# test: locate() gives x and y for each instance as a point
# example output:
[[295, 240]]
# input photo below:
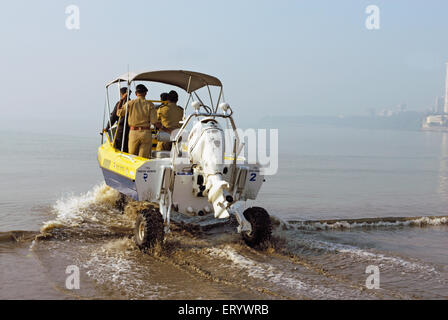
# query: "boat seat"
[[161, 154]]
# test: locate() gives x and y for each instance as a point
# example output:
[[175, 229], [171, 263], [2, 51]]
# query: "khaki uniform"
[[141, 114], [169, 116]]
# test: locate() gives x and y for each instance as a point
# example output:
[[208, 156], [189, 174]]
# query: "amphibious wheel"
[[261, 226], [148, 228]]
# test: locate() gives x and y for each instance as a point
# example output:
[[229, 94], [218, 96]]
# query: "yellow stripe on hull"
[[119, 162]]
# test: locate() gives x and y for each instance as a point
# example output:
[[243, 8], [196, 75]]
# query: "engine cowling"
[[206, 146]]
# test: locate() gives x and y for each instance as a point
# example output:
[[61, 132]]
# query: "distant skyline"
[[274, 57]]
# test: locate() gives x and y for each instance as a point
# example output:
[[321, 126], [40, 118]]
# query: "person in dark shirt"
[[114, 118]]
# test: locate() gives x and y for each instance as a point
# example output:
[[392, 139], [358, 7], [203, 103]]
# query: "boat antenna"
[[125, 115]]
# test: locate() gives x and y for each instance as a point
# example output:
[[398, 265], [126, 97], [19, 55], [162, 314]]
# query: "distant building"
[[438, 108], [386, 113], [439, 120], [402, 107], [445, 108], [435, 120]]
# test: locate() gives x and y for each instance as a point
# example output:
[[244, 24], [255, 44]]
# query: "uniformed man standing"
[[169, 117], [141, 114]]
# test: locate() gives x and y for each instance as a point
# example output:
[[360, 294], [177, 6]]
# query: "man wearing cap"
[[141, 114], [169, 117], [114, 116]]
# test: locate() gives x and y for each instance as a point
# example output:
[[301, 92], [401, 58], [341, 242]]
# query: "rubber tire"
[[152, 227], [261, 226]]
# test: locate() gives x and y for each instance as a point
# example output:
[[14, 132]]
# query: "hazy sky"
[[274, 57]]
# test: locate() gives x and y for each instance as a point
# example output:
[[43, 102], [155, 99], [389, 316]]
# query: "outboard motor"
[[206, 145]]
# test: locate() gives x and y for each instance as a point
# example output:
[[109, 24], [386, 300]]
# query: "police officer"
[[114, 116], [141, 114], [169, 117], [163, 97]]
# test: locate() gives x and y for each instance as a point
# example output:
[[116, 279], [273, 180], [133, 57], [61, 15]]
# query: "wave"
[[17, 236], [369, 255], [340, 224]]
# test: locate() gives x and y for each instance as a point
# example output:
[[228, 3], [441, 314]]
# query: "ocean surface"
[[342, 200]]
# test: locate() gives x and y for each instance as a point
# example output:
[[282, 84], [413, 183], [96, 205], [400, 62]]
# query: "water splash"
[[74, 210]]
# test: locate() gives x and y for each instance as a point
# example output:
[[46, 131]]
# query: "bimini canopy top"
[[188, 80]]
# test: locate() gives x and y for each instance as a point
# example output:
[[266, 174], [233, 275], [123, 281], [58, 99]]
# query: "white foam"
[[112, 264], [376, 257], [72, 210], [267, 272], [257, 270]]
